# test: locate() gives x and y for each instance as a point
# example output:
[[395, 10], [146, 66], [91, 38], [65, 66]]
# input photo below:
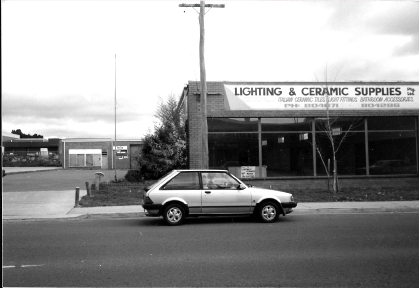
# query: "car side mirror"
[[241, 187]]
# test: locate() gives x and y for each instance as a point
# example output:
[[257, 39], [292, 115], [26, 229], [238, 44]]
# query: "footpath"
[[61, 205]]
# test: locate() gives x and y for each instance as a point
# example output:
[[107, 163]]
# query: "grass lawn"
[[115, 196], [133, 195]]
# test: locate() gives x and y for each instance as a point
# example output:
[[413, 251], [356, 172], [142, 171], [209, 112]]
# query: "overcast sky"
[[58, 57]]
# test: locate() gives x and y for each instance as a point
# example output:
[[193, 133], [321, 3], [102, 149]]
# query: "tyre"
[[268, 212], [174, 214]]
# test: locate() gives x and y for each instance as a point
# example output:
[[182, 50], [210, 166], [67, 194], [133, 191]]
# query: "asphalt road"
[[56, 180], [330, 250]]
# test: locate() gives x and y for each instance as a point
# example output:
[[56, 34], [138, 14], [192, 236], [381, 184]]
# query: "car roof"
[[200, 170]]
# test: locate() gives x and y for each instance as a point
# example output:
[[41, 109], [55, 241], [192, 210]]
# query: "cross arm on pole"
[[206, 5]]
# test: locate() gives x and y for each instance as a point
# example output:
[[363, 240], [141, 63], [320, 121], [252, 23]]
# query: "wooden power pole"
[[203, 98]]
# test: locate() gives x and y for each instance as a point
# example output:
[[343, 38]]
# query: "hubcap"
[[174, 214], [268, 212]]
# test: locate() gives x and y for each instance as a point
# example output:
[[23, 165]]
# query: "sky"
[[60, 58]]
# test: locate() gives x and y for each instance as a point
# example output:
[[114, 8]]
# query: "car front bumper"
[[287, 206]]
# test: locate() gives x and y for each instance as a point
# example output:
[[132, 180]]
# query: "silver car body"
[[229, 196]]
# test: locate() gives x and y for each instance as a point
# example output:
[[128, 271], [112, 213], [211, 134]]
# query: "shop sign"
[[248, 171], [319, 97], [121, 153], [120, 147]]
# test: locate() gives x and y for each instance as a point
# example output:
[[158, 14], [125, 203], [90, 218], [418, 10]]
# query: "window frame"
[[315, 131], [163, 187]]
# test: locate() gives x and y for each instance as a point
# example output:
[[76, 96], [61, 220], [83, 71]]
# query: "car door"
[[220, 194]]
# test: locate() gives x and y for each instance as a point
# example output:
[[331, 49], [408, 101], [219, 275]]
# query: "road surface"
[[329, 250]]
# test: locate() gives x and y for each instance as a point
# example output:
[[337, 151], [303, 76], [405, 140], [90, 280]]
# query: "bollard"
[[97, 181], [77, 197], [88, 189]]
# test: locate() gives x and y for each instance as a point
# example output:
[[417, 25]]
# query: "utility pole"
[[203, 98], [116, 179]]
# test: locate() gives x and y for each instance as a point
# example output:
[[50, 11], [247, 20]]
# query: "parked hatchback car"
[[183, 193]]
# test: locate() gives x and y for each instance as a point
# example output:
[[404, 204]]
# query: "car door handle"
[[207, 192]]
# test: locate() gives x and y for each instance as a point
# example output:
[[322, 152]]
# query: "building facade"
[[102, 153], [277, 130], [30, 151]]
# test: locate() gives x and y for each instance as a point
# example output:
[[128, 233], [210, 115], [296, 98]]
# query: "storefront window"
[[286, 124], [340, 124], [350, 154], [287, 154], [232, 124], [287, 148], [233, 150], [391, 123], [392, 153]]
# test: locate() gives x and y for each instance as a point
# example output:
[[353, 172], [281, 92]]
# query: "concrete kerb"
[[22, 170], [358, 207], [302, 208]]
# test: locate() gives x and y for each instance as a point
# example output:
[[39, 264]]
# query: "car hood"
[[261, 192]]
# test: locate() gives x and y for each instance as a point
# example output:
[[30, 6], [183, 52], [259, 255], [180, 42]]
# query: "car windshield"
[[162, 179]]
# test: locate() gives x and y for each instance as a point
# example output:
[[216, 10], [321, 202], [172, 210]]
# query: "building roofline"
[[98, 140], [312, 82]]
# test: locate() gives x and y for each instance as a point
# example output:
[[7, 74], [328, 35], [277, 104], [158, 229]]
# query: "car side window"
[[184, 181], [218, 180]]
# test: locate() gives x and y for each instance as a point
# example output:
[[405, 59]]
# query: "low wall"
[[301, 183]]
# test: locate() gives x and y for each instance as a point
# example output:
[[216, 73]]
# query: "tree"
[[172, 112], [23, 135], [164, 149], [332, 130]]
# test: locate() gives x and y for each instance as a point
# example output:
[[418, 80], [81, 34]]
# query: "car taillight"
[[147, 200]]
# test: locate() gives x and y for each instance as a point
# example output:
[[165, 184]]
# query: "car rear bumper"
[[152, 210]]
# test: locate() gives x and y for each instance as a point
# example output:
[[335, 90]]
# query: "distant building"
[[29, 151], [99, 153], [70, 153]]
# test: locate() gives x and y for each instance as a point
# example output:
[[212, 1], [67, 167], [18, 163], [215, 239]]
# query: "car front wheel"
[[268, 212], [174, 214]]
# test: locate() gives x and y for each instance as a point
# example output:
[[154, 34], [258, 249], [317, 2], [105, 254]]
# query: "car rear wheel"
[[268, 212], [174, 214]]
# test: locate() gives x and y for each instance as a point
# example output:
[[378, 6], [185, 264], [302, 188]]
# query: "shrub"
[[133, 176]]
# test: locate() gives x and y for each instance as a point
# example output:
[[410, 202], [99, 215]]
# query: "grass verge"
[[133, 195]]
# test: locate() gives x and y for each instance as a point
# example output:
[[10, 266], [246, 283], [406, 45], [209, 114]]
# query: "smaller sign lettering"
[[121, 152], [248, 171], [120, 147]]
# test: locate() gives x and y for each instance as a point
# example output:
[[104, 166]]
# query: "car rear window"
[[184, 181]]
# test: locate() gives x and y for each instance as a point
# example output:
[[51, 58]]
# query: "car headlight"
[[292, 198]]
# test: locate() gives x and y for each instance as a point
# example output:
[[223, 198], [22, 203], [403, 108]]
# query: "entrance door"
[[104, 161]]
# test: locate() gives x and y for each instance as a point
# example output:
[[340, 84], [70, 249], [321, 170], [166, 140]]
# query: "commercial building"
[[99, 153], [29, 151], [69, 153], [279, 130]]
